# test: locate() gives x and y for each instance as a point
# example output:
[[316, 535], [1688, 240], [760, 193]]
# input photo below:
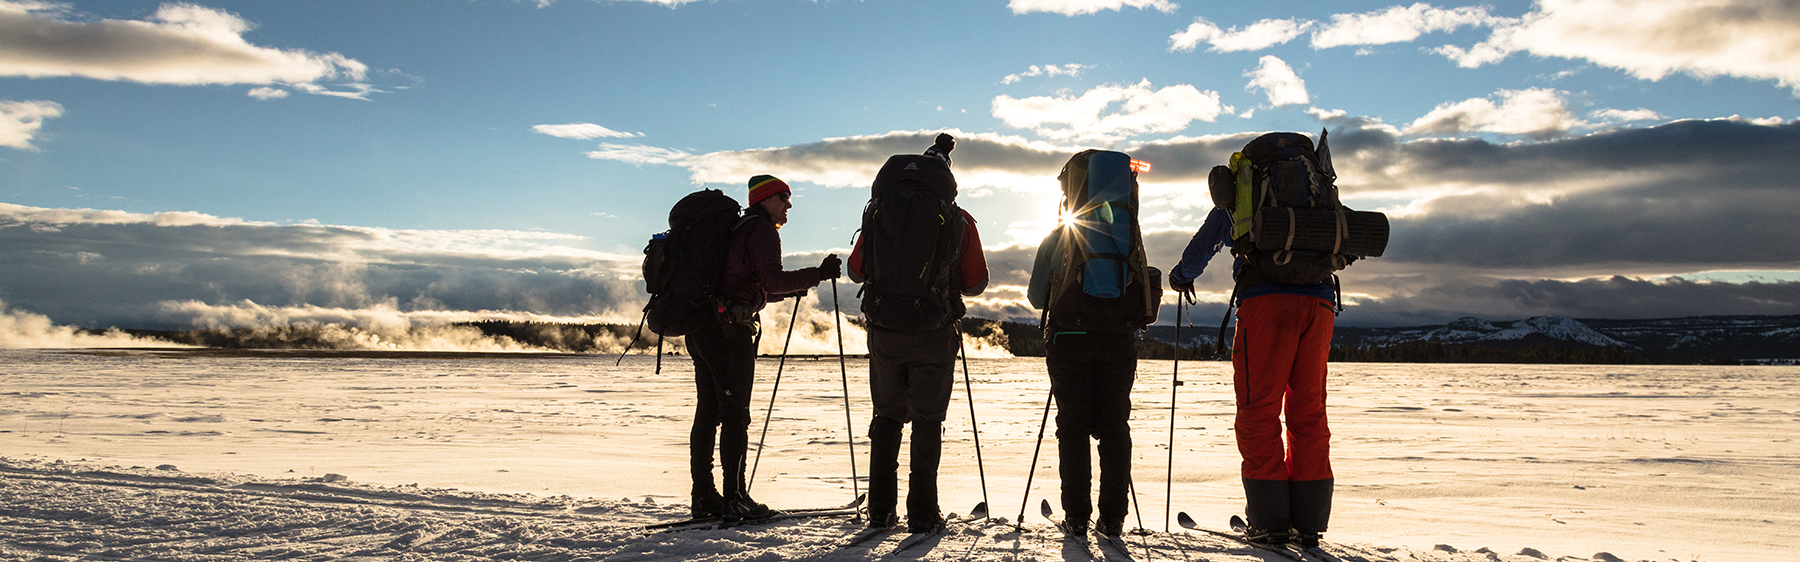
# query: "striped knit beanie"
[[766, 186]]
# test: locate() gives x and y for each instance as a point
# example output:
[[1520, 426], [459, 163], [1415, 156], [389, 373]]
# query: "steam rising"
[[24, 330]]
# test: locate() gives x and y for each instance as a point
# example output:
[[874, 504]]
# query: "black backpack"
[[1100, 279], [682, 266], [1287, 221], [912, 236]]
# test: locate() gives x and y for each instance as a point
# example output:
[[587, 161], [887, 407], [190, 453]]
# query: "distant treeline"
[[1020, 339]]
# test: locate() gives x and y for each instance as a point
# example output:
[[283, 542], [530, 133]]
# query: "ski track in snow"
[[61, 511]]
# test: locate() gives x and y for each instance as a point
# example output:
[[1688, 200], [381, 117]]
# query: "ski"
[[1188, 523], [1113, 545], [1069, 531], [916, 539], [1239, 526], [868, 534], [790, 513]]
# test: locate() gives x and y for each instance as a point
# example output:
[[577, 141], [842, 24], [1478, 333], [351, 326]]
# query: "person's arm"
[[764, 245], [1038, 290], [854, 266], [1213, 235], [974, 263]]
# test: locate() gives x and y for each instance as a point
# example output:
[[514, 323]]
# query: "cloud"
[[21, 120], [1651, 39], [1277, 80], [1140, 109], [1259, 35], [582, 131], [1625, 115], [1046, 70], [1398, 24], [98, 267], [638, 154], [1084, 7], [1537, 112], [181, 44], [267, 93]]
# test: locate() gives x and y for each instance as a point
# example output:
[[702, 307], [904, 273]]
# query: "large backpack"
[[1099, 278], [1288, 224], [912, 236], [682, 266]]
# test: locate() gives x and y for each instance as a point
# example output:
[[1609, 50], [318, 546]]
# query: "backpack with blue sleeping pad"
[[1091, 273]]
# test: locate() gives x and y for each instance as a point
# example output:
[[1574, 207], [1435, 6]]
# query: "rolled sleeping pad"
[[1106, 225], [1352, 233]]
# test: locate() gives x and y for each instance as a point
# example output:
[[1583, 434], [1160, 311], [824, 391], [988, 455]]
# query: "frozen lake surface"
[[1463, 462]]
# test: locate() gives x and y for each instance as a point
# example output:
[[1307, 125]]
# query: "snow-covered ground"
[[563, 457]]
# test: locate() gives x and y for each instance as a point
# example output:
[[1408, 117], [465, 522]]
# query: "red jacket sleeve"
[[974, 263], [854, 266]]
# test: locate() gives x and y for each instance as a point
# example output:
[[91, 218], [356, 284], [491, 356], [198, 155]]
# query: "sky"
[[226, 163]]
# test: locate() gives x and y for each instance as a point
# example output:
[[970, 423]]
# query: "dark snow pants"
[[1279, 364], [724, 368], [911, 375], [1091, 376]]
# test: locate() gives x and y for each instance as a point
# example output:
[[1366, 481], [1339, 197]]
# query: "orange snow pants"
[[1278, 358]]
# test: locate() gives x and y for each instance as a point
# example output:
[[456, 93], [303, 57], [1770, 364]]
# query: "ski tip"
[[980, 511], [1185, 520], [859, 500], [1044, 506]]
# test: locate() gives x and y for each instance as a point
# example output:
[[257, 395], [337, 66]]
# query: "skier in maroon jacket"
[[725, 355]]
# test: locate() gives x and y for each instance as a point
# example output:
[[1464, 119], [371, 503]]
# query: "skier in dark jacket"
[[1278, 361], [911, 375], [725, 355]]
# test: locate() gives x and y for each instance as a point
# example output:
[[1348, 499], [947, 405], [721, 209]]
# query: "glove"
[[831, 268], [1185, 289]]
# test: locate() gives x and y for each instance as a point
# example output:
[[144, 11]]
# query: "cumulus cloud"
[[1046, 70], [1538, 112], [582, 131], [1084, 7], [99, 267], [1398, 24], [1651, 39], [1259, 35], [21, 120], [1112, 112], [181, 44], [1277, 80]]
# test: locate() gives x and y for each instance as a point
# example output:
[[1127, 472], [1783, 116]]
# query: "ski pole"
[[793, 318], [974, 425], [1169, 494], [1034, 458], [634, 338], [844, 370]]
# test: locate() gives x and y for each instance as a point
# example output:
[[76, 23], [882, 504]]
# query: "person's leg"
[[1071, 384], [707, 348], [931, 375], [1262, 357], [887, 390], [1114, 357], [734, 421], [1309, 436]]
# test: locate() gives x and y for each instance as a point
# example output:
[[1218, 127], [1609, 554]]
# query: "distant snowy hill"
[[1698, 338], [1707, 337]]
